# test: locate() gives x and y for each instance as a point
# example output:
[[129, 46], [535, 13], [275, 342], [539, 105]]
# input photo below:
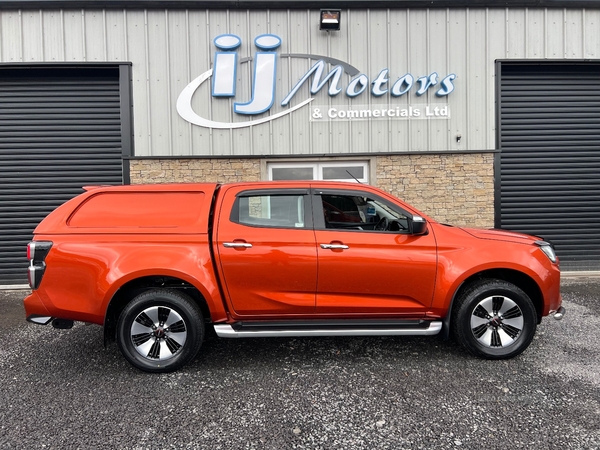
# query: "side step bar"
[[309, 329]]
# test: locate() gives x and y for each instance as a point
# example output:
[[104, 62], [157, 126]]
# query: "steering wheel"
[[382, 224]]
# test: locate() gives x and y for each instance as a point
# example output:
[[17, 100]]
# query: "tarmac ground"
[[63, 389]]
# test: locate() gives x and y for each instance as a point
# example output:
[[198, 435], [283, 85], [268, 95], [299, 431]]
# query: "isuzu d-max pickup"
[[157, 264]]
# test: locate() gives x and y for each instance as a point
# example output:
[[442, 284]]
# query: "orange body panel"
[[379, 274], [83, 274], [462, 255], [108, 237]]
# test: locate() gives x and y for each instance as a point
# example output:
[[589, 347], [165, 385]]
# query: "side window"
[[277, 211], [362, 213]]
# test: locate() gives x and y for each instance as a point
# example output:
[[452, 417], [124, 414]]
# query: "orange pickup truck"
[[157, 264]]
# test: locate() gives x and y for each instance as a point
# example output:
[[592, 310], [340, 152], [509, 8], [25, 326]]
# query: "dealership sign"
[[224, 77]]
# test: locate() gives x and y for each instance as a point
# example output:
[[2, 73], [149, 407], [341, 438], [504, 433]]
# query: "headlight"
[[548, 249]]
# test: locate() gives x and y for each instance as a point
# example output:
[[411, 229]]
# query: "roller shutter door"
[[549, 136], [60, 129]]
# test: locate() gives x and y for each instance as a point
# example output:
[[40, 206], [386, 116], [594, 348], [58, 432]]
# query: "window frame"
[[318, 166], [292, 192], [319, 218]]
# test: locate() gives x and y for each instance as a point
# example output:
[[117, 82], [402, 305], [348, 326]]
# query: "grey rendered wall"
[[169, 48]]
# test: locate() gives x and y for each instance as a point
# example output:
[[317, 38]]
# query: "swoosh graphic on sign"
[[185, 110], [350, 70]]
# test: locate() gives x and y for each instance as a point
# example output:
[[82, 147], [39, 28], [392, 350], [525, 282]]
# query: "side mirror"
[[418, 226]]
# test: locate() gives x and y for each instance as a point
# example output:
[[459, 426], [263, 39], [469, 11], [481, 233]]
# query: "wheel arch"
[[519, 279], [141, 284]]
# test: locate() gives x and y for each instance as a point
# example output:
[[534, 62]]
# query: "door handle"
[[334, 246], [237, 245]]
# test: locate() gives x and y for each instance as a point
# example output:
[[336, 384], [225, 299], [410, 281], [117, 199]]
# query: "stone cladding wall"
[[194, 170], [451, 188]]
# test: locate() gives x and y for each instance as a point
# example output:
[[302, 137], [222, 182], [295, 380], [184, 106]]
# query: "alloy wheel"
[[496, 322], [158, 333]]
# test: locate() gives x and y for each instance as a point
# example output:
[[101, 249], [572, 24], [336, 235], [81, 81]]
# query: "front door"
[[369, 264]]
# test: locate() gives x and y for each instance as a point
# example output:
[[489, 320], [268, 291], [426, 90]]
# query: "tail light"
[[36, 254]]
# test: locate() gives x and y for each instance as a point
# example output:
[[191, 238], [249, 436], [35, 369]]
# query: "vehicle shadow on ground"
[[84, 346], [277, 352]]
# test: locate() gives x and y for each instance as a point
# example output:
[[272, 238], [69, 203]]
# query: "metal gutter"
[[292, 4]]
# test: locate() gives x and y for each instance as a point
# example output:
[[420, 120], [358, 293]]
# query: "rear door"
[[368, 262], [267, 251]]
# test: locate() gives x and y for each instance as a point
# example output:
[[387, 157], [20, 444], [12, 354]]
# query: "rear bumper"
[[35, 308], [39, 320]]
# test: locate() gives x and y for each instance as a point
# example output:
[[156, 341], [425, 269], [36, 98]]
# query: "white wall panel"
[[52, 34], [95, 36], [116, 36], [31, 34], [178, 73], [261, 138], [298, 42], [574, 29], [458, 63], [158, 82], [218, 23], [281, 129], [438, 133], [74, 35], [169, 48], [555, 34], [242, 138], [516, 33], [319, 45], [339, 45], [359, 52], [535, 33], [200, 61], [419, 66], [400, 45], [137, 51], [591, 36], [11, 37], [377, 61], [477, 105]]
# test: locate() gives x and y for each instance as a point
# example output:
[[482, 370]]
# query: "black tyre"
[[160, 330], [494, 319]]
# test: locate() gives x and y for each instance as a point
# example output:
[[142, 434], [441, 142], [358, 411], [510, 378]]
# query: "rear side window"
[[139, 210], [277, 211]]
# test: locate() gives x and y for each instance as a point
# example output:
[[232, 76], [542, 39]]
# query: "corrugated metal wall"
[[169, 48]]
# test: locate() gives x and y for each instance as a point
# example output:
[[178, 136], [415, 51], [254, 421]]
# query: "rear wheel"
[[160, 330], [494, 319]]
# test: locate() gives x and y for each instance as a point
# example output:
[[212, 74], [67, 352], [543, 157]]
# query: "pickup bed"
[[157, 264]]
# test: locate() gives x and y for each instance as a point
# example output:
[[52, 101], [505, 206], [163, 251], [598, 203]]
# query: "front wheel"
[[160, 330], [494, 319]]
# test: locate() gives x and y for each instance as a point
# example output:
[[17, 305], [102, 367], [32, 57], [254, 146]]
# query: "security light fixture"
[[330, 19]]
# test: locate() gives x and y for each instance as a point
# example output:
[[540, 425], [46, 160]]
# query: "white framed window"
[[357, 171]]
